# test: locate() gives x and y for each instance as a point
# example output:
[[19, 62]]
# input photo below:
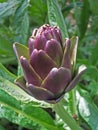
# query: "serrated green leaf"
[[55, 16], [8, 8], [6, 50], [38, 12], [88, 110], [18, 107], [21, 23], [6, 74]]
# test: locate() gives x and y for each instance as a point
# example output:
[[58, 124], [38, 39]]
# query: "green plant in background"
[[79, 108]]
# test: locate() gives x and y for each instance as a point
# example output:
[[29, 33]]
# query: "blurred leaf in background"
[[17, 20]]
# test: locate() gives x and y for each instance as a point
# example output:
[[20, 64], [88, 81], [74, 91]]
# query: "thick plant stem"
[[72, 102], [63, 114]]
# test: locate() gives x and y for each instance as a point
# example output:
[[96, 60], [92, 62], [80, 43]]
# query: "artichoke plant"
[[48, 64]]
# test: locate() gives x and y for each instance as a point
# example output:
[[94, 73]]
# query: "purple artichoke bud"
[[48, 64]]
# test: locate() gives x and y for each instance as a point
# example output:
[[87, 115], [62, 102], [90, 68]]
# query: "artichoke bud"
[[48, 64]]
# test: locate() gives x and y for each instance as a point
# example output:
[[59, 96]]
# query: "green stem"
[[63, 114], [72, 102]]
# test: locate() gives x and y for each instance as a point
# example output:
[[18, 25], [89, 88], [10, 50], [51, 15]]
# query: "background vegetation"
[[75, 18]]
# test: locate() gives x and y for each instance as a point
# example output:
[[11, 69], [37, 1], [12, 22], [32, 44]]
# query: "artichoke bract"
[[48, 64]]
